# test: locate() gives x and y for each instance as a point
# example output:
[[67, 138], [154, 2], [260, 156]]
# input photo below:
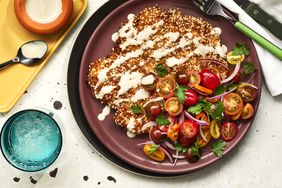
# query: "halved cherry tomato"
[[248, 111], [228, 131], [173, 106], [202, 90], [232, 103], [247, 92], [203, 117], [200, 141], [173, 132], [209, 79], [194, 78], [182, 78], [234, 59], [189, 128], [191, 98], [237, 77], [165, 87], [215, 129], [236, 116], [186, 142], [157, 155]]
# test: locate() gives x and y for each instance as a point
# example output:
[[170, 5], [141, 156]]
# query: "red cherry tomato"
[[156, 134], [182, 78], [237, 78], [228, 131], [166, 87], [153, 109], [173, 106], [209, 79], [189, 129], [186, 142], [191, 98]]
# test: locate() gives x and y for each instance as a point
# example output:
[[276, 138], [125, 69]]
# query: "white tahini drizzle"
[[129, 80], [140, 95], [106, 111]]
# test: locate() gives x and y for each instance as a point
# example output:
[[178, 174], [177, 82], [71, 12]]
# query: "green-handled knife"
[[262, 17], [213, 7]]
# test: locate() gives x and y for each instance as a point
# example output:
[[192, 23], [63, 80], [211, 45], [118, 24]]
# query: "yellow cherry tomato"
[[153, 153], [234, 59], [215, 129]]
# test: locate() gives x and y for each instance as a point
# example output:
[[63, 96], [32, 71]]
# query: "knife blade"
[[262, 17]]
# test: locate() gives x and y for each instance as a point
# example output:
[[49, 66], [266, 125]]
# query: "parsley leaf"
[[179, 93], [136, 109], [218, 147], [240, 49], [180, 148], [153, 148], [196, 149], [161, 70], [219, 90], [197, 108], [214, 110], [162, 120], [248, 68]]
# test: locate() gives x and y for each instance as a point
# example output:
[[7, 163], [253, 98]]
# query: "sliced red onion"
[[148, 124], [153, 100], [169, 145], [144, 143], [253, 86], [167, 154], [178, 156], [181, 118], [251, 78], [164, 133], [214, 61], [175, 120], [236, 70], [202, 134], [199, 122], [223, 94]]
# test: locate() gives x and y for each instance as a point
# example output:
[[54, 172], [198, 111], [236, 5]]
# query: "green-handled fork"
[[213, 7]]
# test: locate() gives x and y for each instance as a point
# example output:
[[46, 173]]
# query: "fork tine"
[[198, 4]]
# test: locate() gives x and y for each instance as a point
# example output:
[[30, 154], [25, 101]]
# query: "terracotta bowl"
[[39, 28]]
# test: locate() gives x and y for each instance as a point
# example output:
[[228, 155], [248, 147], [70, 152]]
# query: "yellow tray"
[[15, 79]]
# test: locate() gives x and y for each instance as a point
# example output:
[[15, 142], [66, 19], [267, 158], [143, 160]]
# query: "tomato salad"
[[198, 109]]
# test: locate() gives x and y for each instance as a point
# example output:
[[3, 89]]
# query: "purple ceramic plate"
[[112, 136]]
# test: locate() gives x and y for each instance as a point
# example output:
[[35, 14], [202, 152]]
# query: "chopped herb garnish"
[[153, 148], [214, 110], [179, 93], [219, 90], [195, 149], [240, 49], [180, 148], [136, 109], [161, 70], [248, 68], [198, 108], [218, 147], [162, 120]]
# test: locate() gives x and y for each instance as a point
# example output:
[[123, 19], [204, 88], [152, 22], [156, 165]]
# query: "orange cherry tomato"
[[203, 90], [200, 141], [173, 106], [156, 155], [248, 111], [203, 117], [194, 78], [236, 116], [165, 87], [232, 103], [173, 132]]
